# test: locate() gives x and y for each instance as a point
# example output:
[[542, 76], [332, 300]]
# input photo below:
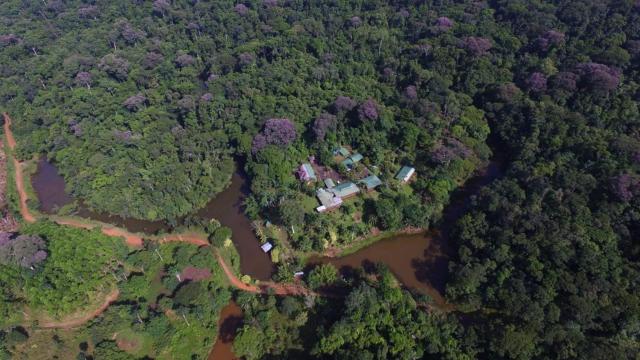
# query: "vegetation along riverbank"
[[167, 159]]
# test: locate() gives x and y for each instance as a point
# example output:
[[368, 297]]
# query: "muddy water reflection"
[[229, 322], [49, 186], [421, 261], [416, 260], [226, 207]]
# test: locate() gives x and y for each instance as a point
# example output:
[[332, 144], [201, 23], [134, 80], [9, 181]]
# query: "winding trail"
[[11, 142], [135, 240], [72, 321], [264, 287]]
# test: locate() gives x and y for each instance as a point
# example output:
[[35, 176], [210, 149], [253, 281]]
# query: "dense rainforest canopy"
[[144, 104]]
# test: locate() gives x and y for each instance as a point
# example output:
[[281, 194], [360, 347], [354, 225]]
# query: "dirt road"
[[11, 142], [136, 241], [75, 321], [265, 287]]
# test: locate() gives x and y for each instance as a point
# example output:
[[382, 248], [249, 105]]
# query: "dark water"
[[49, 186], [226, 207], [229, 322], [420, 261]]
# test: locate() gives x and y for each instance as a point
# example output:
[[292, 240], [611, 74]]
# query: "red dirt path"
[[136, 241], [72, 322], [11, 142], [264, 287]]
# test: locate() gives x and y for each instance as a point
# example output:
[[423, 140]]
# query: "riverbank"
[[17, 168], [134, 240]]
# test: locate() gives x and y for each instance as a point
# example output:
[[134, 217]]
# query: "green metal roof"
[[345, 189], [351, 160], [342, 151], [356, 157], [404, 172], [329, 183], [371, 182], [309, 170]]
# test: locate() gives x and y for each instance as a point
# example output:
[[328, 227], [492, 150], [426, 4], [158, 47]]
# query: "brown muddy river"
[[229, 322], [226, 207], [420, 261], [417, 260]]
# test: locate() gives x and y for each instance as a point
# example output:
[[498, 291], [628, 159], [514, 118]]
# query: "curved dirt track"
[[11, 142], [266, 287], [135, 241], [73, 322]]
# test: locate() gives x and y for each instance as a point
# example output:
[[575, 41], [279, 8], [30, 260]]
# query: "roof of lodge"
[[404, 172], [342, 151], [329, 183], [371, 181], [309, 171], [352, 159], [345, 189], [325, 197]]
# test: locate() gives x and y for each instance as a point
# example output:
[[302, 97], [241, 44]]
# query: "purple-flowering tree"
[[477, 46], [135, 102], [442, 155], [152, 59], [114, 66], [75, 128], [598, 77], [83, 78], [322, 124], [270, 3], [245, 59], [212, 77], [187, 103], [206, 97], [355, 21], [565, 80], [344, 103], [411, 92], [161, 7], [633, 47], [368, 110], [9, 39], [404, 13], [185, 60], [388, 73], [55, 6], [279, 132], [125, 135], [423, 49], [443, 23], [24, 250], [554, 37], [193, 26], [536, 82], [130, 34], [178, 131], [88, 12], [506, 92], [259, 142], [241, 9], [625, 186], [548, 39]]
